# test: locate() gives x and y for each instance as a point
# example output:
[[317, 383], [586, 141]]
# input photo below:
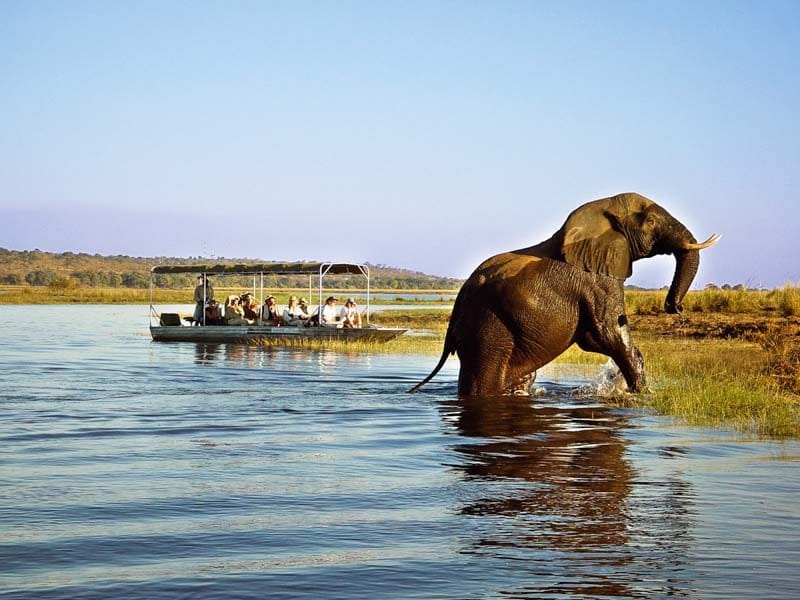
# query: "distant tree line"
[[133, 279], [68, 269], [726, 286]]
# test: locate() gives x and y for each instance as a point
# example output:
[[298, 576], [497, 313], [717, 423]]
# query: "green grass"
[[716, 383]]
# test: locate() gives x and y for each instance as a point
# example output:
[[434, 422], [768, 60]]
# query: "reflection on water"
[[256, 357], [556, 481], [135, 469], [206, 353]]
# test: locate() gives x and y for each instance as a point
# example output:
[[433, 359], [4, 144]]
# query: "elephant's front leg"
[[611, 336], [630, 360]]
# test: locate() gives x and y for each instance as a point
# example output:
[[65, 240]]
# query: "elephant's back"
[[522, 288], [505, 267], [515, 304], [506, 282]]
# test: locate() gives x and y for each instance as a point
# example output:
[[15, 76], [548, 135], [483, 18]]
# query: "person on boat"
[[234, 313], [250, 307], [202, 294], [293, 315], [213, 313], [349, 316], [270, 314], [329, 314], [313, 315]]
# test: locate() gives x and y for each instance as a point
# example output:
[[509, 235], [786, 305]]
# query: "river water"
[[130, 469]]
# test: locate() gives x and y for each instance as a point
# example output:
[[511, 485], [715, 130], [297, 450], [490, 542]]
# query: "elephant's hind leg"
[[521, 386], [484, 358], [519, 373]]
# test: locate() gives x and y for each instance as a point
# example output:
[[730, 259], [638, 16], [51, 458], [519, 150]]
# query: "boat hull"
[[233, 334]]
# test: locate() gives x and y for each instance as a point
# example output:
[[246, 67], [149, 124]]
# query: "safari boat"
[[175, 327]]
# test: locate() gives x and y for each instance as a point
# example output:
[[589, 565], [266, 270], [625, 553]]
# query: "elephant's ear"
[[593, 240]]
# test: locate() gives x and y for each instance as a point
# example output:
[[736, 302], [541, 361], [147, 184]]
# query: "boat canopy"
[[272, 268], [319, 269]]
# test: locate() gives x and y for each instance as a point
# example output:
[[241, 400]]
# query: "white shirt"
[[329, 313], [290, 314]]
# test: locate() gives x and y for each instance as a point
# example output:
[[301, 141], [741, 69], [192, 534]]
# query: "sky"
[[426, 135]]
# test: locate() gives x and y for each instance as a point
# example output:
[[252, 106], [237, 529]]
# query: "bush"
[[62, 283], [12, 279], [40, 277], [783, 357]]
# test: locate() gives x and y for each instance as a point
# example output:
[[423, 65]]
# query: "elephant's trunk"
[[686, 264]]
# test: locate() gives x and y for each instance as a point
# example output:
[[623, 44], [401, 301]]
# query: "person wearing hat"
[[250, 307], [202, 294], [269, 312], [312, 317], [329, 314], [349, 315]]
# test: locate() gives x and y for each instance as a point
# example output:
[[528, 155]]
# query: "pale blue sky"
[[427, 135]]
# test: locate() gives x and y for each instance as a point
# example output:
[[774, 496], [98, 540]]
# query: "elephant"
[[519, 310]]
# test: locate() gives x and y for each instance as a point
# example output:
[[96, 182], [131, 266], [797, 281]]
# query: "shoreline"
[[27, 295]]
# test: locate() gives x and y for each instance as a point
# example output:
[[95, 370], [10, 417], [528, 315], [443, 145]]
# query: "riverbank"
[[23, 294]]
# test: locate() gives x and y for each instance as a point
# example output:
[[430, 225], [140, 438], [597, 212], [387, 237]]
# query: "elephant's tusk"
[[707, 244]]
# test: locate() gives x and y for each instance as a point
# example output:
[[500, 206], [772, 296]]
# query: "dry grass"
[[782, 348], [783, 301]]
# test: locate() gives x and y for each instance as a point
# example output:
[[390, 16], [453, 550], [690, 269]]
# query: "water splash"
[[607, 383]]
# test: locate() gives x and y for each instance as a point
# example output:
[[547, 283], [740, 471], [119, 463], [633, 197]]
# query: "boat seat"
[[170, 320]]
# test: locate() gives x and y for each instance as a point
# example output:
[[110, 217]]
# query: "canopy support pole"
[[150, 315]]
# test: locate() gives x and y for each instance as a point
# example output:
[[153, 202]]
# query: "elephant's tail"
[[445, 353], [449, 342]]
